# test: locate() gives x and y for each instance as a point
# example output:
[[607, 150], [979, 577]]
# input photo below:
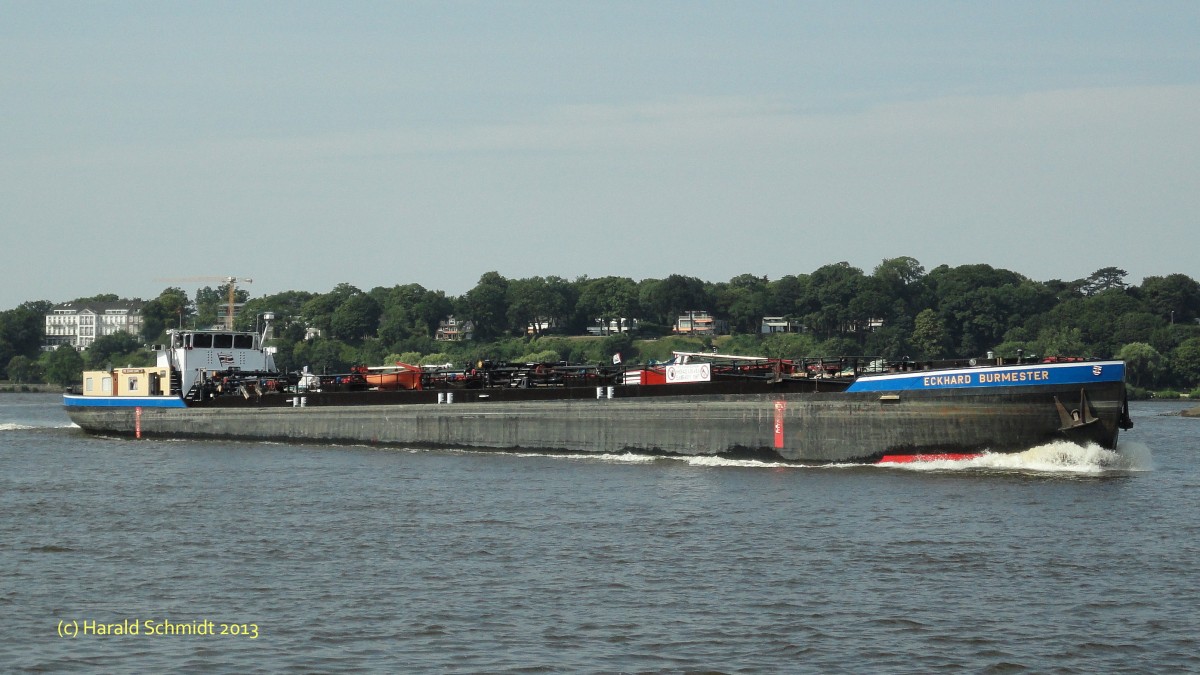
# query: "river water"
[[337, 559]]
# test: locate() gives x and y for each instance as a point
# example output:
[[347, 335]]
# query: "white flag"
[[616, 358]]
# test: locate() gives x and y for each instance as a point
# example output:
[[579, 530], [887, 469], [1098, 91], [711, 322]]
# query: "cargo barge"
[[224, 385]]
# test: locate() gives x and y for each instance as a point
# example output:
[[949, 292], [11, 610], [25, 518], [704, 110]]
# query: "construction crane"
[[232, 281]]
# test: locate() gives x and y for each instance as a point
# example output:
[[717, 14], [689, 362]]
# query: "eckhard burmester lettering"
[[946, 380], [1017, 376], [986, 378]]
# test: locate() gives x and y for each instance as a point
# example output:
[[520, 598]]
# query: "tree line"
[[897, 311]]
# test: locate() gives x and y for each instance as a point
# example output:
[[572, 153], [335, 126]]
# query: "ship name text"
[[1007, 377]]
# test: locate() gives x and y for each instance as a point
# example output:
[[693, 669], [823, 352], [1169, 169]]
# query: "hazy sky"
[[305, 144]]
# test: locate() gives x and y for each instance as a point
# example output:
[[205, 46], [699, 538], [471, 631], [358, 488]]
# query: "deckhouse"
[[190, 358]]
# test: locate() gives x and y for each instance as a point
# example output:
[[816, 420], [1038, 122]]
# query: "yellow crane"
[[232, 281]]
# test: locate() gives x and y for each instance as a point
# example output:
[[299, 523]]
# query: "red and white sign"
[[689, 372]]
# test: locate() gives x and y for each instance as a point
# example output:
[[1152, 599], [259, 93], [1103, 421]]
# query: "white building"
[[79, 324], [451, 329], [700, 323], [779, 324], [615, 326]]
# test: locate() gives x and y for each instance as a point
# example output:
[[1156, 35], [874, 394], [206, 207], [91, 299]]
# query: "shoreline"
[[11, 388]]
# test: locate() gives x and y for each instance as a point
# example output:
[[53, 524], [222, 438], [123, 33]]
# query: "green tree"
[[537, 303], [831, 293], [288, 325], [487, 306], [64, 366], [318, 311], [1104, 279], [1143, 363], [980, 303], [371, 351], [875, 302], [929, 335], [837, 346], [785, 293], [286, 342], [1060, 341], [1185, 363], [410, 311], [902, 282], [1096, 322], [1133, 327], [323, 355], [208, 307], [113, 348], [1174, 298], [171, 309], [620, 343], [100, 297], [788, 345], [355, 319], [435, 359], [900, 273], [22, 330], [890, 341], [664, 301], [743, 302], [609, 298], [22, 369], [212, 304]]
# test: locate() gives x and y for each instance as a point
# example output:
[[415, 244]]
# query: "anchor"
[[1078, 417]]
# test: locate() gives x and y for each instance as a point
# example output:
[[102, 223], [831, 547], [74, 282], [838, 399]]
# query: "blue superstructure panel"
[[1091, 372], [123, 401]]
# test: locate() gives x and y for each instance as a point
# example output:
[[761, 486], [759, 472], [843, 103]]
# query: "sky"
[[305, 144]]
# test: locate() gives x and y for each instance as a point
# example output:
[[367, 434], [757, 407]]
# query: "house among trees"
[[453, 330], [79, 324], [700, 323], [869, 326], [540, 326], [779, 324], [615, 326]]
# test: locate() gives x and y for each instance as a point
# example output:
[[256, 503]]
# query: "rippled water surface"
[[356, 559]]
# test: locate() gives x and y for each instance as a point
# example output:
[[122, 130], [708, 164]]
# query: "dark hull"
[[747, 419]]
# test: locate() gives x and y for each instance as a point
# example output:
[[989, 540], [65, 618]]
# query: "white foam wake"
[[1057, 457], [14, 426], [717, 460], [627, 457]]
